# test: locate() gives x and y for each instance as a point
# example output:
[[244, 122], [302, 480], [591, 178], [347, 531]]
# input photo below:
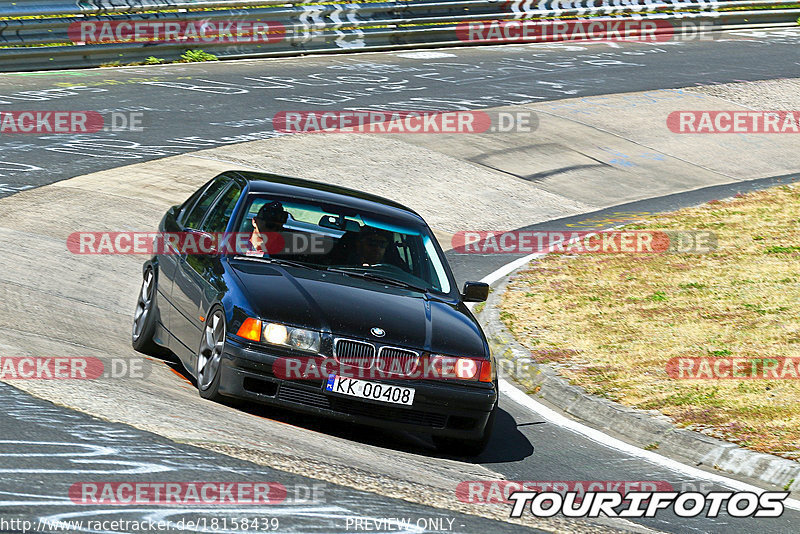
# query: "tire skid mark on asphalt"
[[119, 447]]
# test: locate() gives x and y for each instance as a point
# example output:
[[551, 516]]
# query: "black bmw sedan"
[[323, 300]]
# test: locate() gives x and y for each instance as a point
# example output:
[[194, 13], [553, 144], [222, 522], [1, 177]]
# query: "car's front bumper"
[[440, 407]]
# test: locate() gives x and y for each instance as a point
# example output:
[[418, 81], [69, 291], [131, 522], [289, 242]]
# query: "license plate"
[[364, 389]]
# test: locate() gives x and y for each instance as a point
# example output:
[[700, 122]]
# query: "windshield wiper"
[[379, 278], [283, 262]]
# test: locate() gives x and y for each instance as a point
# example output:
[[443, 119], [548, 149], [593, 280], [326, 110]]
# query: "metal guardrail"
[[45, 34]]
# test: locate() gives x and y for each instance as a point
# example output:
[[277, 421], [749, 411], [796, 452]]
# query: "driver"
[[370, 246], [270, 218]]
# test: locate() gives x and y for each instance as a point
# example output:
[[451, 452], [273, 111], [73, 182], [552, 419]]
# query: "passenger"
[[270, 218]]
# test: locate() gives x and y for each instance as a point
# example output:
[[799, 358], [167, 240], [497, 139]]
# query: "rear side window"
[[186, 206], [195, 216], [220, 214]]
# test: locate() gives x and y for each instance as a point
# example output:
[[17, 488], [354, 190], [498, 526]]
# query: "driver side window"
[[220, 214]]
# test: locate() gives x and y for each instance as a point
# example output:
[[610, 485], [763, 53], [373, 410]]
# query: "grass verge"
[[610, 323]]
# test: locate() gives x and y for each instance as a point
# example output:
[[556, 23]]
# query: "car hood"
[[351, 307]]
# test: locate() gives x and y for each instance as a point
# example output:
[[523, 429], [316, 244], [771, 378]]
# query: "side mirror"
[[170, 219], [475, 292]]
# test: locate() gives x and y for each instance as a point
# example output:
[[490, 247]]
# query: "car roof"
[[287, 186]]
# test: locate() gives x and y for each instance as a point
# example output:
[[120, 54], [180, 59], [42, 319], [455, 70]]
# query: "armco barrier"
[[46, 34]]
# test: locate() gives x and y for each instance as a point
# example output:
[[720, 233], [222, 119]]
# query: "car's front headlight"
[[460, 368], [278, 334], [299, 338]]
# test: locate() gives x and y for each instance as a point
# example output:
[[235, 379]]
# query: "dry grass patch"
[[610, 323]]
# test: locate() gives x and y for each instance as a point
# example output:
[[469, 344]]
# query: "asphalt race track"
[[77, 444], [193, 107]]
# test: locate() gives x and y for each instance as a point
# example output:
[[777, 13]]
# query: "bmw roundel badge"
[[377, 332]]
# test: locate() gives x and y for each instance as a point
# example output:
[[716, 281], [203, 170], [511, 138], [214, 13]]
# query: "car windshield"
[[341, 239]]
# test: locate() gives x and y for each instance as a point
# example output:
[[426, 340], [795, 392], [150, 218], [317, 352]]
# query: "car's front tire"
[[144, 318], [466, 447], [209, 355]]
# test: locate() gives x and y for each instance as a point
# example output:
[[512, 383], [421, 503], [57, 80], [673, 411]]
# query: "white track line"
[[510, 391]]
